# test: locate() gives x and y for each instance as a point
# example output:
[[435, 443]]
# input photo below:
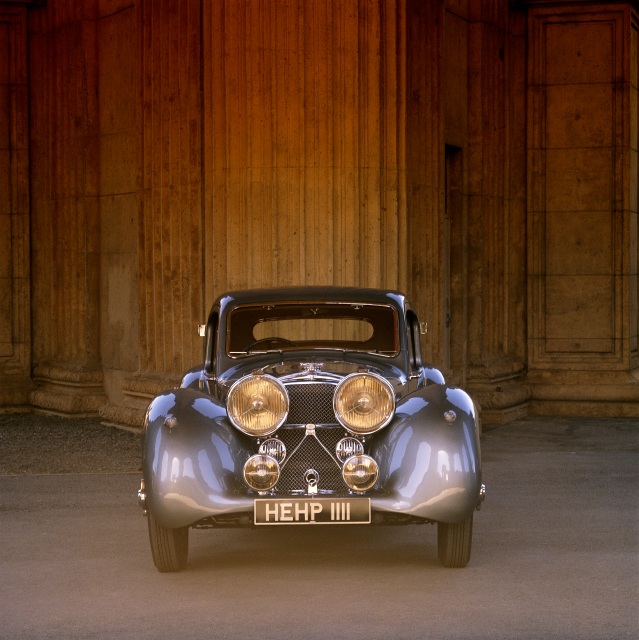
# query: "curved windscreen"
[[289, 326]]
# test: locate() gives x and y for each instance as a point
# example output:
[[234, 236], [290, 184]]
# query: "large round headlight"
[[364, 403], [257, 405]]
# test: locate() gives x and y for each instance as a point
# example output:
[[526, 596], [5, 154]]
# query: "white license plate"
[[312, 511]]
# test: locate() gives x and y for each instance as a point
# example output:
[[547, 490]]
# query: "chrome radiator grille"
[[311, 403], [305, 452]]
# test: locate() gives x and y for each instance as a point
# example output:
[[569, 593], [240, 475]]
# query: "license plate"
[[312, 511]]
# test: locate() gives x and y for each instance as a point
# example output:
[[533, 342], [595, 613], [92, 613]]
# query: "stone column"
[[15, 328], [424, 161], [121, 287], [65, 222], [166, 255], [496, 217]]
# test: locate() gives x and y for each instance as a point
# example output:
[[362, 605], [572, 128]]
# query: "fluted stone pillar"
[[496, 352], [65, 210], [15, 326]]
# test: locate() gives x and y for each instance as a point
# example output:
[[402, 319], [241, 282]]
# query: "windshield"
[[289, 326]]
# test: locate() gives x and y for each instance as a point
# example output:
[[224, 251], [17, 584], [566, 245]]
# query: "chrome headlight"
[[360, 472], [257, 405], [364, 403], [261, 472]]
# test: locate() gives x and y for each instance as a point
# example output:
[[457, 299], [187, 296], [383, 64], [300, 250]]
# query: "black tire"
[[454, 543], [169, 547]]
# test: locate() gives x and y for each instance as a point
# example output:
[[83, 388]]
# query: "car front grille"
[[310, 403], [310, 451]]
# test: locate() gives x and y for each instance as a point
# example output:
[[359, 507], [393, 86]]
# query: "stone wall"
[[582, 208], [481, 156]]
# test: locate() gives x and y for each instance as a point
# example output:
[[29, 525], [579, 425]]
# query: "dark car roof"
[[313, 294], [230, 300]]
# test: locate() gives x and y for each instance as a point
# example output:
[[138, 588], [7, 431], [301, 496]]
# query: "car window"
[[414, 346], [282, 327], [315, 329], [210, 351]]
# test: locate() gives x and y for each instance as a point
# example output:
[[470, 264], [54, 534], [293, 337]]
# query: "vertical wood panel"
[[390, 229], [317, 257], [287, 142]]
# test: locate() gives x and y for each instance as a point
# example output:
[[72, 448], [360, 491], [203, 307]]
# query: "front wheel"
[[454, 543], [169, 547]]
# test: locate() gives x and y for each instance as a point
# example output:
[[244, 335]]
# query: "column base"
[[67, 392], [137, 391], [498, 388]]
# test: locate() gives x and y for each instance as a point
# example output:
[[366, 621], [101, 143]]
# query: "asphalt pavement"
[[555, 555]]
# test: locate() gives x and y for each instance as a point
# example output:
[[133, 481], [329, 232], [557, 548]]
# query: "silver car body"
[[428, 454]]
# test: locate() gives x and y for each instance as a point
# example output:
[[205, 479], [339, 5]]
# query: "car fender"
[[191, 379], [429, 456], [193, 459]]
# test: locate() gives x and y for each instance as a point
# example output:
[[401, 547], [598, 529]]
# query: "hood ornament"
[[311, 368]]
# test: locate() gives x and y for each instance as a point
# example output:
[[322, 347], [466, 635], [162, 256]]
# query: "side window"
[[414, 345], [210, 353]]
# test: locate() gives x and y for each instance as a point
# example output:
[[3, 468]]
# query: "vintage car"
[[312, 407]]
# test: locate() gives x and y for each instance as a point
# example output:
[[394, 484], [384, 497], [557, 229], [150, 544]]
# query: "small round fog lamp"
[[261, 472], [360, 472]]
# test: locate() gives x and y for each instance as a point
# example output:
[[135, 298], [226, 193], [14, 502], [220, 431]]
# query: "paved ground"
[[556, 551]]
